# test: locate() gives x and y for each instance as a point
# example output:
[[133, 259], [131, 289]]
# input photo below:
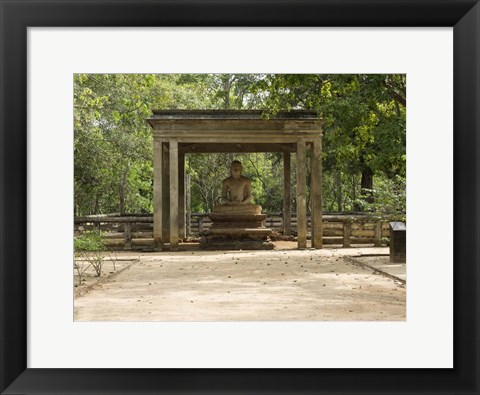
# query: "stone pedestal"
[[237, 227], [398, 242]]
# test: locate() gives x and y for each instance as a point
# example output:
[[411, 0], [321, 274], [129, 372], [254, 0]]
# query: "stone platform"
[[236, 239], [237, 227]]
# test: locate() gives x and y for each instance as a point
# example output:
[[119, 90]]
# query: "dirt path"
[[309, 285]]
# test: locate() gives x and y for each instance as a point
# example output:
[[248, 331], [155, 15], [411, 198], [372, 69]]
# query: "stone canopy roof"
[[216, 126], [229, 115]]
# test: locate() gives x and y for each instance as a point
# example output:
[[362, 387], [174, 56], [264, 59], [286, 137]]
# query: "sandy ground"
[[278, 285], [382, 263], [110, 268]]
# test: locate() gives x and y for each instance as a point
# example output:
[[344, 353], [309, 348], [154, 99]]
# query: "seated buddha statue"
[[237, 194], [237, 223]]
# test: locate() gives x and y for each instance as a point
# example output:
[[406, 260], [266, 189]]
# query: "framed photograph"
[[432, 346]]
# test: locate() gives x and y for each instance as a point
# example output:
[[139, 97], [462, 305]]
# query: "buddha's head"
[[236, 169]]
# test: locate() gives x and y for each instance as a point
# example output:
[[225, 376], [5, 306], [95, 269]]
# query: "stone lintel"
[[203, 121]]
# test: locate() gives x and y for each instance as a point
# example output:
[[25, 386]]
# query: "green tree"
[[364, 136], [364, 122], [113, 143]]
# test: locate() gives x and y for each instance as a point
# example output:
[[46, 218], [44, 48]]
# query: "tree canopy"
[[364, 118]]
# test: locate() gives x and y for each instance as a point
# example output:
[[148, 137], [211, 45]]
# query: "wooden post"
[[377, 242], [174, 217], [188, 204], [166, 195], [287, 195], [316, 192], [157, 194], [301, 195], [181, 195], [127, 234], [347, 232]]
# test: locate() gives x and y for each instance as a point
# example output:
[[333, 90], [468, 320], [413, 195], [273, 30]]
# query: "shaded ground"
[[278, 285], [111, 266], [382, 264]]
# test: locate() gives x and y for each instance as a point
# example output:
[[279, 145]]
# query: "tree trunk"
[[227, 84], [121, 189], [339, 188], [354, 189], [367, 184], [207, 210], [97, 205], [122, 199]]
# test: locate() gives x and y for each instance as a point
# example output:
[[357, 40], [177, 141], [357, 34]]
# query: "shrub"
[[89, 249]]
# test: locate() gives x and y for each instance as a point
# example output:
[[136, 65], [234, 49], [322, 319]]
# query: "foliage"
[[113, 143], [390, 199], [364, 150], [89, 241], [363, 115], [364, 119], [89, 250], [207, 171]]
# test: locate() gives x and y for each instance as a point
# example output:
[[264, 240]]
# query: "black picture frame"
[[18, 15]]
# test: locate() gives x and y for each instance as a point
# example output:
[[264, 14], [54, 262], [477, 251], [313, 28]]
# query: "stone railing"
[[337, 229], [136, 231]]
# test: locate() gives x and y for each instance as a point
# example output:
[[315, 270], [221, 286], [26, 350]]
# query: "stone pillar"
[[157, 193], [174, 196], [398, 242], [287, 195], [181, 194], [316, 192], [166, 195], [127, 235], [188, 205], [377, 238], [347, 232], [301, 194]]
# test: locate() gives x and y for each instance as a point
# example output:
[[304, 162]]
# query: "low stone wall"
[[136, 231]]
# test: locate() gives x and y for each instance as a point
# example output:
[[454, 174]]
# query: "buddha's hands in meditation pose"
[[236, 189]]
